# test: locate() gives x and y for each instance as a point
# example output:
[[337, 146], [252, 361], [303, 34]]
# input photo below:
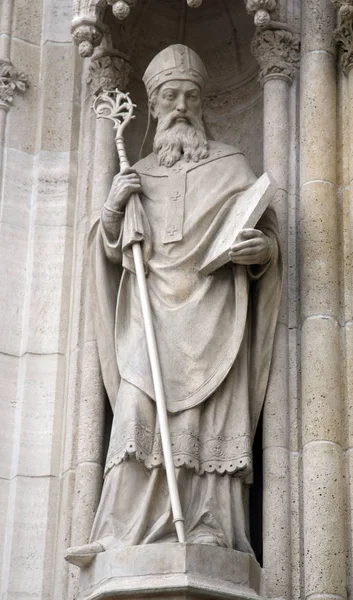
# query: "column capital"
[[344, 33], [11, 81], [277, 52], [108, 70]]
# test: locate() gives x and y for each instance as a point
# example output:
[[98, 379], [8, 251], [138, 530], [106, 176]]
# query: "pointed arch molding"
[[88, 27]]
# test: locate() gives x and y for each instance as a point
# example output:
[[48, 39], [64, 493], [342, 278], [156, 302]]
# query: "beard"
[[174, 139]]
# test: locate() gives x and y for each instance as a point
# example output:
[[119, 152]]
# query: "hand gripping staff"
[[118, 107]]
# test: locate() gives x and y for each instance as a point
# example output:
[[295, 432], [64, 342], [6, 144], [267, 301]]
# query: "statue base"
[[173, 571]]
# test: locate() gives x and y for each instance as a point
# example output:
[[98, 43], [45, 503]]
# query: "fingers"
[[251, 233], [127, 171], [132, 178], [127, 175], [253, 243], [132, 188], [243, 253], [126, 184], [123, 187], [254, 250]]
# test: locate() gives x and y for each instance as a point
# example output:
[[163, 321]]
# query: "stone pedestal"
[[173, 571]]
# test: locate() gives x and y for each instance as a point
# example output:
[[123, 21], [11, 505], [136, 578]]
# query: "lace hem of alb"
[[221, 454]]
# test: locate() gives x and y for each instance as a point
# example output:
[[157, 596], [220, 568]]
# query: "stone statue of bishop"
[[214, 333]]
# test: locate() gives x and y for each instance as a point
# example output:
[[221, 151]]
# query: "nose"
[[181, 107]]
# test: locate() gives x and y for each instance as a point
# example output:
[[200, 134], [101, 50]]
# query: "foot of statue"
[[82, 556]]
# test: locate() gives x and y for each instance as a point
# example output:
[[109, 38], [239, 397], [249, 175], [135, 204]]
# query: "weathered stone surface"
[[324, 526], [318, 23], [41, 400], [31, 531], [22, 120], [17, 191], [318, 230], [88, 485], [295, 516], [4, 506], [13, 250], [348, 386], [276, 532], [57, 21], [182, 570], [55, 190], [50, 290], [27, 24], [9, 368], [275, 426], [60, 122], [321, 386], [318, 118]]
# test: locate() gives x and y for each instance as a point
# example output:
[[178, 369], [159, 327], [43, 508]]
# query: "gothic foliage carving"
[[277, 52], [11, 81], [108, 71], [344, 33]]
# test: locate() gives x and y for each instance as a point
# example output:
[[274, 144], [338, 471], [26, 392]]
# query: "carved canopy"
[[89, 25]]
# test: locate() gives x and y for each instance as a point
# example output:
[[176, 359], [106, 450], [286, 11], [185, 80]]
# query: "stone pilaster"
[[344, 41], [108, 70], [277, 52], [324, 526]]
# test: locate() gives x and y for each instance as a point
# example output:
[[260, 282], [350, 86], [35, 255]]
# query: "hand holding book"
[[236, 240], [253, 248]]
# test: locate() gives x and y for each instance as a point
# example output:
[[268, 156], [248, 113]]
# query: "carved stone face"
[[178, 102], [177, 106]]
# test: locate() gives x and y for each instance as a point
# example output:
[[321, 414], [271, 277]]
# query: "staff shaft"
[[159, 392], [155, 363]]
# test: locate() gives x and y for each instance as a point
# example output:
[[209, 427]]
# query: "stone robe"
[[214, 335]]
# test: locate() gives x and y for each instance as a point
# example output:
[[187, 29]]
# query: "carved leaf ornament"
[[10, 81], [344, 33], [277, 52], [108, 71]]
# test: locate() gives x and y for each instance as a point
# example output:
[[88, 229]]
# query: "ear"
[[152, 108]]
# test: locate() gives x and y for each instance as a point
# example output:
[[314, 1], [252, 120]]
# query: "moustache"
[[169, 121]]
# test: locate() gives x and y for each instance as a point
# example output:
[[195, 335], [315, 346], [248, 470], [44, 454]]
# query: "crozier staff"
[[214, 333]]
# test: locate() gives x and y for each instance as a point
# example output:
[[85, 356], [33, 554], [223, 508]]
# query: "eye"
[[169, 96]]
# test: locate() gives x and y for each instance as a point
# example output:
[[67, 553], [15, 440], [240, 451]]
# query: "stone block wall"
[[38, 162]]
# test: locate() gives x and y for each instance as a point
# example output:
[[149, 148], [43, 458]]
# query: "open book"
[[246, 211]]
